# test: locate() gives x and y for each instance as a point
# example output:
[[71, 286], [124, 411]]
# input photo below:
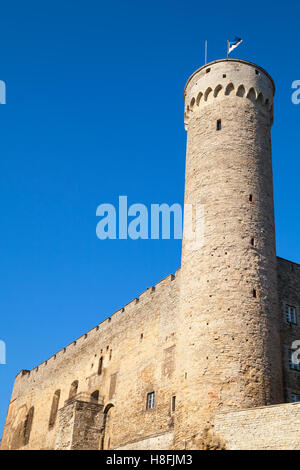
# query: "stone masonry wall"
[[137, 345], [272, 427], [229, 349], [289, 294]]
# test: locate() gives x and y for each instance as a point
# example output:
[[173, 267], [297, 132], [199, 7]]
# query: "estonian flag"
[[233, 44]]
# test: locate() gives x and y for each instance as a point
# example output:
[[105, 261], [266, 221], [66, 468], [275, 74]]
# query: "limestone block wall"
[[80, 426], [137, 345], [154, 442], [229, 354], [289, 294], [273, 428]]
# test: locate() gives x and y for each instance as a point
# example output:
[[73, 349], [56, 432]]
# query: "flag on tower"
[[233, 44]]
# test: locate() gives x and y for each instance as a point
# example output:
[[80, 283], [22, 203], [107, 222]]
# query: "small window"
[[292, 364], [150, 401], [254, 293], [291, 314], [73, 389], [207, 70], [257, 72], [54, 409], [224, 75], [250, 198], [95, 396], [173, 406], [100, 365], [219, 124], [252, 241], [294, 398]]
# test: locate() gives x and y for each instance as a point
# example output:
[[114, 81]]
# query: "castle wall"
[[133, 366], [215, 335], [272, 428], [289, 294], [144, 365]]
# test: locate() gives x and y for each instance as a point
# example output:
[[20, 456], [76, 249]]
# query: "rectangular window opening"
[[294, 398], [150, 401], [293, 365], [173, 403], [219, 124], [291, 314]]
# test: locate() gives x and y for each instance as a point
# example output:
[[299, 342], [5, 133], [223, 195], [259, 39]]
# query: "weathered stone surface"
[[214, 336], [80, 426], [228, 353], [272, 427]]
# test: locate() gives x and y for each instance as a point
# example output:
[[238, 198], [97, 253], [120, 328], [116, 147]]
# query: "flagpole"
[[205, 58], [227, 48]]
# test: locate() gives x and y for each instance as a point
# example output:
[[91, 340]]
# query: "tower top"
[[228, 62], [225, 77]]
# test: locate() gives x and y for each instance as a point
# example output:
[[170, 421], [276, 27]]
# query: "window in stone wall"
[[291, 314], [95, 396], [73, 389], [173, 404], [150, 400], [54, 409], [219, 124], [293, 365], [100, 365], [294, 398], [28, 426]]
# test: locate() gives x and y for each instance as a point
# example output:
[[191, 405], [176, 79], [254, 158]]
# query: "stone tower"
[[229, 353]]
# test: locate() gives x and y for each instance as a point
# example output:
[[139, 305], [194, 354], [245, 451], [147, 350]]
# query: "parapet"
[[225, 77], [110, 322]]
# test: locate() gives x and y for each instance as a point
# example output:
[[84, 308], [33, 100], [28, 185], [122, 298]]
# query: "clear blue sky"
[[95, 110]]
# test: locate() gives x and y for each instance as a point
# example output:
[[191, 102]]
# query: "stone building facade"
[[204, 359]]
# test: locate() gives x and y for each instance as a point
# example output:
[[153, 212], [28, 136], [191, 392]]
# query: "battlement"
[[228, 77], [145, 296]]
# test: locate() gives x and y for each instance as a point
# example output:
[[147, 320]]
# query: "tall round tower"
[[229, 353]]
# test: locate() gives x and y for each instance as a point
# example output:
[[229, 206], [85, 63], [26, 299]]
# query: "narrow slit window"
[[100, 365], [254, 293], [250, 198], [219, 124], [252, 241], [150, 400], [173, 403]]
